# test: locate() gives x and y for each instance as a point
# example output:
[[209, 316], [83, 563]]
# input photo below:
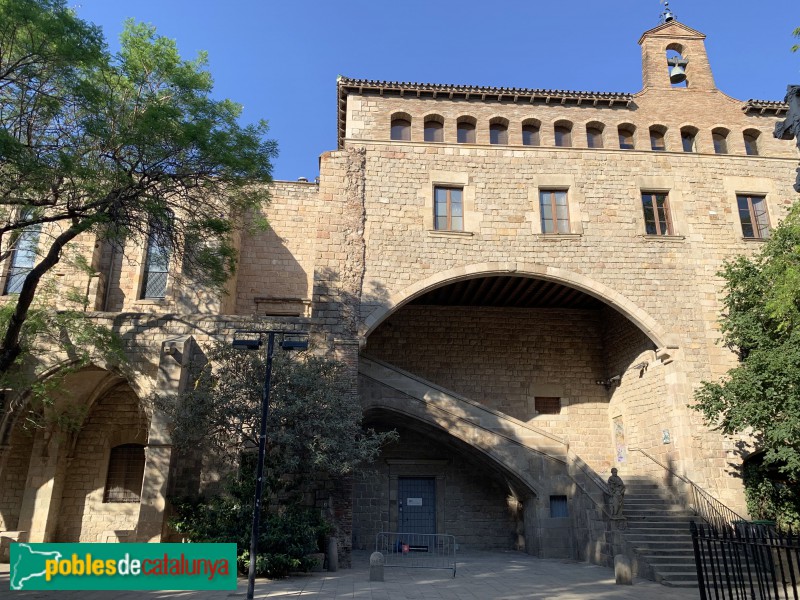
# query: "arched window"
[[689, 139], [125, 474], [401, 129], [530, 133], [594, 136], [563, 134], [23, 257], [751, 142], [434, 129], [156, 262], [720, 137], [466, 131], [677, 66], [657, 141], [498, 132], [626, 137]]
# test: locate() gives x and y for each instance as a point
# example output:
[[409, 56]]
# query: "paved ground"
[[481, 576]]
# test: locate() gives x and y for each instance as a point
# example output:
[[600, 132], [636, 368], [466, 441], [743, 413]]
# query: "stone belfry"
[[673, 43]]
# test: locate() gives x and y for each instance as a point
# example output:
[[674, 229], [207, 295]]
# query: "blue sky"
[[280, 59]]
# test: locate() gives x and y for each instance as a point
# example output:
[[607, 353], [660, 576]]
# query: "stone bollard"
[[376, 562], [622, 570], [333, 555]]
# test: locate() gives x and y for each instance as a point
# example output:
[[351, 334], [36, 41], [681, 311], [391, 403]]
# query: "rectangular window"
[[656, 214], [125, 474], [23, 257], [558, 507], [554, 211], [448, 209], [156, 263], [753, 216], [547, 405]]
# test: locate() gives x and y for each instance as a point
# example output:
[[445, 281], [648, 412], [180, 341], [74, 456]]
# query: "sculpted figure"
[[790, 127], [617, 489]]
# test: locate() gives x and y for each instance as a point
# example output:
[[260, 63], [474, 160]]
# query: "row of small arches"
[[563, 130]]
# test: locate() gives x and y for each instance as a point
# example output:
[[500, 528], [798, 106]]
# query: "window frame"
[[448, 189], [562, 134], [626, 138], [751, 143], [533, 133], [761, 231], [25, 246], [430, 133], [594, 137], [692, 146], [151, 257], [720, 142], [552, 200], [405, 131], [122, 490], [667, 216], [551, 404], [656, 135], [498, 134], [466, 132]]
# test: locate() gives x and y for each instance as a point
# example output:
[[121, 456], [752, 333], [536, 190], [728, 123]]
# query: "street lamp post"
[[253, 341]]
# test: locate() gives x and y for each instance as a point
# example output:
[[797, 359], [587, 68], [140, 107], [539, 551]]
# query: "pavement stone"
[[480, 576]]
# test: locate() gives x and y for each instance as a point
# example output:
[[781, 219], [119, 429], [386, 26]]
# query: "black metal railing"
[[705, 506], [747, 561]]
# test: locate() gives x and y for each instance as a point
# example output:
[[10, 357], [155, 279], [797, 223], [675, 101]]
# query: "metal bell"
[[677, 74]]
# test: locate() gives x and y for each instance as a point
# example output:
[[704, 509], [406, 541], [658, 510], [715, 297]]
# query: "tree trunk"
[[10, 348]]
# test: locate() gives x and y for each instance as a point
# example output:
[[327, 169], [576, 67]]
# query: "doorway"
[[416, 501]]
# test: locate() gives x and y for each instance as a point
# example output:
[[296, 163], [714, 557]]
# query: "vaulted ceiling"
[[508, 291]]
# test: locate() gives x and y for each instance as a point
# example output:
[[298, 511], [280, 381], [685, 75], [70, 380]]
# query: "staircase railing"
[[707, 507]]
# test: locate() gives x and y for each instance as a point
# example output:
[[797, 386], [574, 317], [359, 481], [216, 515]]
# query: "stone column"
[[173, 370], [41, 502]]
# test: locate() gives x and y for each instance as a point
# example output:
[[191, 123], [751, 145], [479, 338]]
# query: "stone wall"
[[15, 473], [475, 506], [118, 418]]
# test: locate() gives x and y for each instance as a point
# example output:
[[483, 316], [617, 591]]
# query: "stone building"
[[522, 282]]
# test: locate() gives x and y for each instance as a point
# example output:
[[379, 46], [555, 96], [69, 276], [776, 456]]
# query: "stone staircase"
[[658, 534]]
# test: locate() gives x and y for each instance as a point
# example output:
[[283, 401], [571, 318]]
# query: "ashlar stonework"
[[555, 327]]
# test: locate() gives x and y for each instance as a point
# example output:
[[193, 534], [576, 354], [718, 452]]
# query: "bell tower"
[[671, 51]]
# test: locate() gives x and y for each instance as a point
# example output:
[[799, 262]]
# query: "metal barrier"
[[750, 562], [417, 550]]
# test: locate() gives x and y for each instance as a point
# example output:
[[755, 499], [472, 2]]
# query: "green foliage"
[[121, 146], [314, 421], [287, 534], [768, 499], [761, 322], [796, 33]]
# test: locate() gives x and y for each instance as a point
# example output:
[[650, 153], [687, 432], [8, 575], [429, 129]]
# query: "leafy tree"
[[796, 33], [761, 322], [121, 146], [314, 424], [314, 430]]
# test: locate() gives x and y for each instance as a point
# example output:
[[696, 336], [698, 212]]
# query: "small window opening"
[[498, 133], [125, 474], [594, 137], [559, 508], [466, 132], [563, 134], [626, 138], [434, 131], [530, 135], [401, 130]]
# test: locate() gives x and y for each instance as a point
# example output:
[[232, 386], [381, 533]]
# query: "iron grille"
[[125, 474]]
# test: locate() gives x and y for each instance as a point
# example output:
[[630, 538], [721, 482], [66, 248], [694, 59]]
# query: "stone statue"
[[617, 489], [790, 127]]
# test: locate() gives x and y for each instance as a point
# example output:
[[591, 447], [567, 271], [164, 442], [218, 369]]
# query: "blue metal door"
[[417, 504]]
